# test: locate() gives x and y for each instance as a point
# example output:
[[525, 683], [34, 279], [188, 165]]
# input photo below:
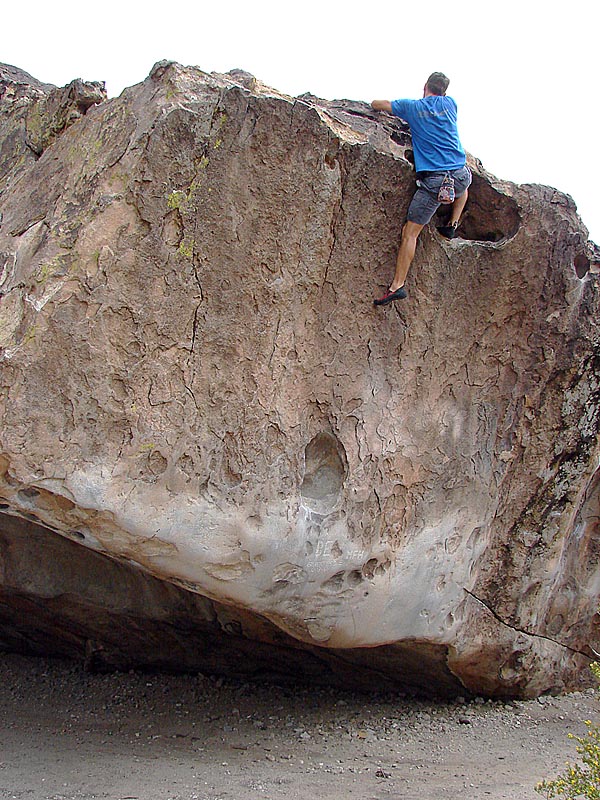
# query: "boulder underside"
[[217, 455], [64, 600]]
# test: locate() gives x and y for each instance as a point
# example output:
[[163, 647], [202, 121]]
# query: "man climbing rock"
[[440, 164]]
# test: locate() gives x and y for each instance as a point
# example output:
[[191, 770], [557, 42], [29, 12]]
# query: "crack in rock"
[[523, 630]]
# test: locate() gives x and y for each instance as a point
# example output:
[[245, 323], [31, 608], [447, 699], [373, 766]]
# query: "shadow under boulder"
[[61, 598]]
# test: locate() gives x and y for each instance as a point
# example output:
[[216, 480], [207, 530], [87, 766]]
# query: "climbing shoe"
[[389, 297], [448, 231]]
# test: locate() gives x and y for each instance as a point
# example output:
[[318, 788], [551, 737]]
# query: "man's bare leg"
[[406, 253], [458, 206]]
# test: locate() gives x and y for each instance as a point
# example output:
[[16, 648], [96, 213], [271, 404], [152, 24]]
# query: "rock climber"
[[439, 155]]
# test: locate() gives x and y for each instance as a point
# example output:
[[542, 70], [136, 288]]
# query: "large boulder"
[[244, 453]]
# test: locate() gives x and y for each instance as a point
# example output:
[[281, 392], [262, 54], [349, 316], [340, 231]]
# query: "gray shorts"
[[425, 203]]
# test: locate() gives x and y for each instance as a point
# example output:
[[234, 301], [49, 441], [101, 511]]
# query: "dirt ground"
[[67, 734]]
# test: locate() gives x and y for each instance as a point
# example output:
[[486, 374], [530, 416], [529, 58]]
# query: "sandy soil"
[[67, 734]]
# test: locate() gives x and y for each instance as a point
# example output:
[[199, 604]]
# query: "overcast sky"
[[524, 73]]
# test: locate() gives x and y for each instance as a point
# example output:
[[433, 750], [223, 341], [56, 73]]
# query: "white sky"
[[525, 74]]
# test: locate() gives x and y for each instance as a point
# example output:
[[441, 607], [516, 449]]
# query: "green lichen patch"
[[180, 199], [186, 248], [56, 266], [176, 200]]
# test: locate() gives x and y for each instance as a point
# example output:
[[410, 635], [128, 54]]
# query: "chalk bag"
[[446, 193]]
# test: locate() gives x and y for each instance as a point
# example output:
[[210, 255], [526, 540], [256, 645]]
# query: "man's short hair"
[[437, 83]]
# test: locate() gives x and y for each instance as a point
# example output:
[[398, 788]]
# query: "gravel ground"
[[67, 734]]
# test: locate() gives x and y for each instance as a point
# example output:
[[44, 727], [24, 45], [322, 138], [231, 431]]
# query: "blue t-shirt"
[[434, 133]]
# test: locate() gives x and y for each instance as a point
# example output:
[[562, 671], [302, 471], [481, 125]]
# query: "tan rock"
[[195, 381]]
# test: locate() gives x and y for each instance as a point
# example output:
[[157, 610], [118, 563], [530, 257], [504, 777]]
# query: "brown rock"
[[195, 382], [53, 113]]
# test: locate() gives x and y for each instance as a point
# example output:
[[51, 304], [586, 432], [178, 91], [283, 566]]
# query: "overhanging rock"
[[199, 394]]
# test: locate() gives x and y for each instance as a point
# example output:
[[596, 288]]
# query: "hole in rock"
[[157, 463], [403, 139], [29, 493], [355, 577], [489, 216], [582, 265], [370, 567], [324, 473], [334, 583]]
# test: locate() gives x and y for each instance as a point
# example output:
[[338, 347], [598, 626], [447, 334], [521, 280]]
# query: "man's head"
[[437, 83]]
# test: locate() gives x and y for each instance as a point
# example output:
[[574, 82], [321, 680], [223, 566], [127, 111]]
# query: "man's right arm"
[[382, 105]]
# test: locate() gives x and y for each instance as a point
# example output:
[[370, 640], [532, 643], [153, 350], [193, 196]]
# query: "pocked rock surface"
[[197, 390]]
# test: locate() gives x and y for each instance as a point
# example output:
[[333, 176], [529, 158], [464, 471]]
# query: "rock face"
[[257, 470]]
